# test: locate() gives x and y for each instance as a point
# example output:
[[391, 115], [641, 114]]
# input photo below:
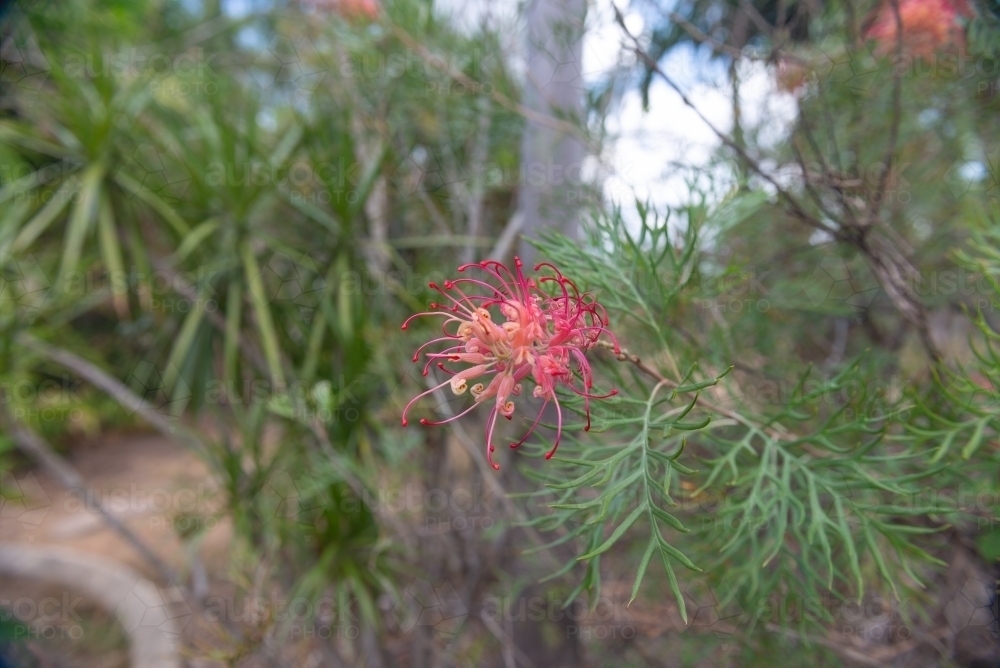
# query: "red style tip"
[[548, 455], [405, 422], [432, 285], [496, 467], [404, 327], [424, 421]]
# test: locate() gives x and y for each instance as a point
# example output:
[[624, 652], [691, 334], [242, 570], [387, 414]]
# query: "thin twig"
[[757, 18], [825, 166], [507, 646], [625, 356], [704, 38], [897, 114], [888, 265], [507, 237], [436, 216], [480, 152]]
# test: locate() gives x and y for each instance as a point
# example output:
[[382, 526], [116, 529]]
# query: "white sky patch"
[[604, 40], [469, 15], [656, 155]]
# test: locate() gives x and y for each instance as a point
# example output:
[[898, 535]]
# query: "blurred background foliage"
[[231, 211]]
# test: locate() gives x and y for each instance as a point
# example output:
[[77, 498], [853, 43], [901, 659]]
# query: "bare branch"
[[797, 209]]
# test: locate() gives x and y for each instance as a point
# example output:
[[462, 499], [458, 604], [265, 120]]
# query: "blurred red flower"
[[350, 9], [928, 26]]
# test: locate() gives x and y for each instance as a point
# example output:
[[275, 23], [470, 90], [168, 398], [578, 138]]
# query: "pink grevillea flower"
[[539, 337], [928, 25]]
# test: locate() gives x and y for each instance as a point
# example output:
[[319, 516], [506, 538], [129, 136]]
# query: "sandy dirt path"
[[159, 489]]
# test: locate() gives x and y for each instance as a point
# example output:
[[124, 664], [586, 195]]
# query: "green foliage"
[[813, 487], [243, 253], [206, 231]]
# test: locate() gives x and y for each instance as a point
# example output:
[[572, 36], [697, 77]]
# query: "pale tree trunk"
[[550, 189], [549, 197]]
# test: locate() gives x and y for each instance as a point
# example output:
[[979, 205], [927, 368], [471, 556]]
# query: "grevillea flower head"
[[501, 329], [928, 25]]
